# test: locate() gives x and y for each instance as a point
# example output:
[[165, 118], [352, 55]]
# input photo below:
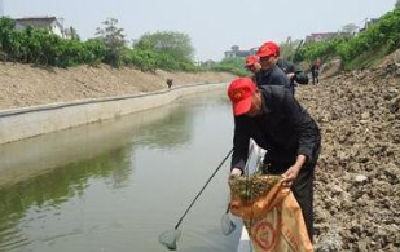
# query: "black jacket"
[[287, 66], [314, 69], [272, 76], [290, 67], [284, 129]]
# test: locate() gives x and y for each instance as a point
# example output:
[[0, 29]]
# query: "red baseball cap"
[[268, 49], [240, 92], [251, 60]]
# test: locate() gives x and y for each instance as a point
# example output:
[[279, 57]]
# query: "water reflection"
[[165, 126], [117, 184], [47, 171], [51, 189], [173, 131]]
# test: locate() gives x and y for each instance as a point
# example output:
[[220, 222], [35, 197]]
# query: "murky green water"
[[116, 185]]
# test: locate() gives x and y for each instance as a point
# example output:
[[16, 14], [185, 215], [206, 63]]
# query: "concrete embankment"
[[18, 124]]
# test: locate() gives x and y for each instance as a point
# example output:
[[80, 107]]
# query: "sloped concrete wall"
[[33, 121]]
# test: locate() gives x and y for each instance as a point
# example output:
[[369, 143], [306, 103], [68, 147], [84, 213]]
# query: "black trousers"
[[302, 189], [315, 78]]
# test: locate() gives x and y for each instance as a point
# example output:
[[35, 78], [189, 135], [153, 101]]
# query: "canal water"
[[116, 185]]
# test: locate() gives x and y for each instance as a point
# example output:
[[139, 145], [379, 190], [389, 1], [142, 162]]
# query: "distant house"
[[318, 37], [51, 23], [368, 23], [235, 52], [208, 64]]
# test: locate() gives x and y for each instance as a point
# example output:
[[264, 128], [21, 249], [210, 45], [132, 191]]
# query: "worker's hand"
[[236, 171], [290, 75], [290, 175]]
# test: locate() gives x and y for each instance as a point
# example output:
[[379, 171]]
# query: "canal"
[[116, 185]]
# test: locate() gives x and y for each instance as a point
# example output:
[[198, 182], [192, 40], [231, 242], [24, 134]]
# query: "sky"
[[213, 25]]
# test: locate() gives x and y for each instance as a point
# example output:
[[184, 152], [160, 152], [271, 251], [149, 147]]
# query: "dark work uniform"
[[285, 130], [290, 67], [314, 73], [272, 76]]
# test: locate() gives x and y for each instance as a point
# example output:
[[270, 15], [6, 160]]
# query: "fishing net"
[[227, 225], [169, 239]]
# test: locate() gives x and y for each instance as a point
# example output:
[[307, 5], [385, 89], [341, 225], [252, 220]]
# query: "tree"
[[73, 33], [114, 39], [6, 33], [350, 28], [289, 48], [177, 44], [397, 5]]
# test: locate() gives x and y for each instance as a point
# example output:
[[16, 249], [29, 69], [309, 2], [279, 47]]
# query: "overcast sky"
[[213, 25]]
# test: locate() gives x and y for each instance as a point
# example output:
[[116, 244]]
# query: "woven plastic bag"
[[271, 214]]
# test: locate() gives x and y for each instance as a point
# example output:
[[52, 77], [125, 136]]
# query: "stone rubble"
[[357, 188]]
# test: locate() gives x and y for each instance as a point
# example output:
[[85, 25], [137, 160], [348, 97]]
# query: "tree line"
[[167, 50]]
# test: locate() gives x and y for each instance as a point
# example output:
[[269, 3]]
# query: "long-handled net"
[[227, 225], [170, 238]]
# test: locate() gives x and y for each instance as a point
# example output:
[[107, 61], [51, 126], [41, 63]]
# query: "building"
[[208, 64], [51, 23], [369, 22], [318, 37], [235, 52]]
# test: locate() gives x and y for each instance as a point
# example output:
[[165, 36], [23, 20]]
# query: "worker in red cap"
[[274, 119], [253, 65], [270, 73]]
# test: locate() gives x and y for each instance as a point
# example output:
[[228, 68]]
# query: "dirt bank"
[[24, 85]]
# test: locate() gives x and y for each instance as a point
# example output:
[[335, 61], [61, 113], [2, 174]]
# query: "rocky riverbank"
[[357, 189]]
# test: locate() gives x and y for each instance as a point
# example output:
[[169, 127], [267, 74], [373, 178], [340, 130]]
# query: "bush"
[[233, 65]]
